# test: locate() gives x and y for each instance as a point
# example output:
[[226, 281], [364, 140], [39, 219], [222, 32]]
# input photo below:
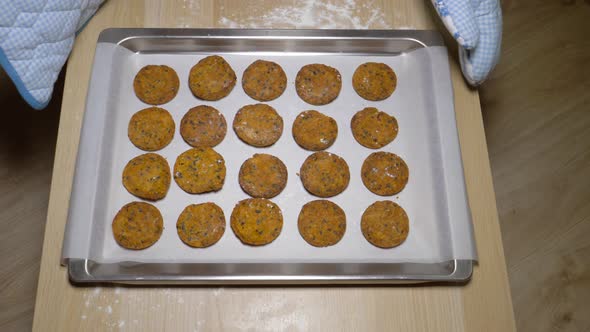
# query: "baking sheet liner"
[[434, 199]]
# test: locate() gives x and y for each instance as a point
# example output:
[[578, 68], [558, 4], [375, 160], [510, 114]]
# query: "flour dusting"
[[190, 9], [328, 14], [279, 315]]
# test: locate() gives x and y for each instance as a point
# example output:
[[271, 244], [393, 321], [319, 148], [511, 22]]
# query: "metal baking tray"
[[295, 42]]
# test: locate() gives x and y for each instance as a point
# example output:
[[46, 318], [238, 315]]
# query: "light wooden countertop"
[[484, 304]]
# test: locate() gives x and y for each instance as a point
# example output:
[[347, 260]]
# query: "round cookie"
[[385, 224], [374, 81], [258, 125], [321, 223], [385, 173], [314, 131], [372, 128], [199, 170], [203, 126], [256, 221], [201, 225], [156, 85], [264, 80], [137, 225], [212, 78], [151, 129], [318, 84], [263, 176], [324, 174], [147, 176]]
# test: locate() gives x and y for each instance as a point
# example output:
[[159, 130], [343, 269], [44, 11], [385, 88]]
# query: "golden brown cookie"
[[314, 131], [201, 225], [147, 176], [385, 224], [156, 85], [372, 128], [321, 223], [256, 221], [374, 81], [212, 78], [385, 173], [264, 80], [318, 84], [203, 126], [151, 129], [258, 125], [199, 170], [324, 174], [263, 176], [137, 225]]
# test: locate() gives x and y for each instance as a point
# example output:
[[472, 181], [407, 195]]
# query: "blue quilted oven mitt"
[[477, 27], [36, 37]]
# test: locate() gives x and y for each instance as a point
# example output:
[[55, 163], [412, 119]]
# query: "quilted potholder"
[[36, 37], [477, 27]]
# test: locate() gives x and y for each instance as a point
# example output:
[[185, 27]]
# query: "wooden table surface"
[[484, 304]]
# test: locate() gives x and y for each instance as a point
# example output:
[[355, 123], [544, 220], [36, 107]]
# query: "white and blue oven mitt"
[[477, 27], [36, 37]]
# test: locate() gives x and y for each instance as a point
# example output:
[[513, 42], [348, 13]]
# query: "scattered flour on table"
[[102, 306], [218, 290], [190, 9], [109, 299], [324, 14], [280, 315], [199, 324]]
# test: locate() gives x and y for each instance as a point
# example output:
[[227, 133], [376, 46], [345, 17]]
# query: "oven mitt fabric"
[[36, 37], [477, 27]]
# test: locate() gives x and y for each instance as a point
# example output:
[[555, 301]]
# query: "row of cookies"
[[202, 170], [212, 78], [259, 125], [257, 222]]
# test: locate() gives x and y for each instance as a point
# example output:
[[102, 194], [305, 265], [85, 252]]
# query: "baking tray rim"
[[84, 271], [118, 36]]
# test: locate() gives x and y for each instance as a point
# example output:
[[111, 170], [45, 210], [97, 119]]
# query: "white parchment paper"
[[434, 199]]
